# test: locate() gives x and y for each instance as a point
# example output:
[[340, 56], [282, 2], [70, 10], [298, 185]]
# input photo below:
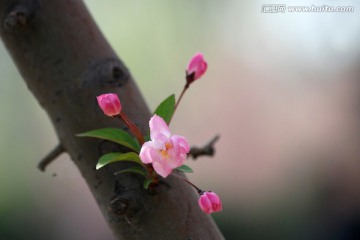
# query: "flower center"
[[164, 153]]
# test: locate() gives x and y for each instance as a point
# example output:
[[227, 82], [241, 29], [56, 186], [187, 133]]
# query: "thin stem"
[[188, 182], [181, 95], [133, 128], [178, 101]]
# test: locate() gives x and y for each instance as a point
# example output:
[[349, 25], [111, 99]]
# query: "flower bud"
[[210, 202], [196, 68], [109, 103]]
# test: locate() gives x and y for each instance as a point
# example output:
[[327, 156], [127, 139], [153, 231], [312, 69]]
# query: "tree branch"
[[51, 156], [66, 62], [206, 150]]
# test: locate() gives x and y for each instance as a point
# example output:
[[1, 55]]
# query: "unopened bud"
[[109, 103], [196, 68], [210, 202]]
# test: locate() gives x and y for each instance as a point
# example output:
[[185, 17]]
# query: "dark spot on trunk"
[[19, 15], [105, 73], [59, 92]]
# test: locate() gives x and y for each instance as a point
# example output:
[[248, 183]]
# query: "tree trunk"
[[66, 63]]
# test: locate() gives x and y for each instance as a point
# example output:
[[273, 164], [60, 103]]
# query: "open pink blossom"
[[109, 103], [210, 202], [164, 151], [196, 68]]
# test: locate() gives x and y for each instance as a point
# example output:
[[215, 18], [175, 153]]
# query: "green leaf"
[[166, 108], [147, 138], [138, 170], [115, 135], [116, 157], [147, 183], [185, 168]]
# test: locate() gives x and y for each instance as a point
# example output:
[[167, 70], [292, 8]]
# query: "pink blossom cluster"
[[166, 152]]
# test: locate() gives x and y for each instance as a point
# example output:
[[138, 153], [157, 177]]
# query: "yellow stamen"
[[165, 153]]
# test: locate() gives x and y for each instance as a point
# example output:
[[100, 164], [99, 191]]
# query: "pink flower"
[[109, 103], [196, 68], [164, 151], [210, 202]]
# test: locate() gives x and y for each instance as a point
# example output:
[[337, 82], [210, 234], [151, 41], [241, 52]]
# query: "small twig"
[[181, 95], [179, 99], [188, 182], [207, 150], [51, 156]]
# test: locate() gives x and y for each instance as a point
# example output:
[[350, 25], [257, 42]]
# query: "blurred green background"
[[282, 90]]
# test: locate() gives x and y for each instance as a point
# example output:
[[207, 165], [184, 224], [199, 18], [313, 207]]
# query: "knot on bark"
[[128, 198], [106, 73], [119, 205], [19, 16]]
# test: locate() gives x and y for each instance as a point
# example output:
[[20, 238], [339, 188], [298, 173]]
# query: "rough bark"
[[66, 62]]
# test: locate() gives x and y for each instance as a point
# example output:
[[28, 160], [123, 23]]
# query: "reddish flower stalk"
[[111, 106], [209, 202], [133, 128], [137, 133], [188, 182]]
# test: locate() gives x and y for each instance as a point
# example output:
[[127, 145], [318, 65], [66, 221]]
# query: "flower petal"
[[156, 155], [145, 155], [182, 143], [162, 169], [173, 160], [158, 126], [205, 204], [159, 141], [213, 197]]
